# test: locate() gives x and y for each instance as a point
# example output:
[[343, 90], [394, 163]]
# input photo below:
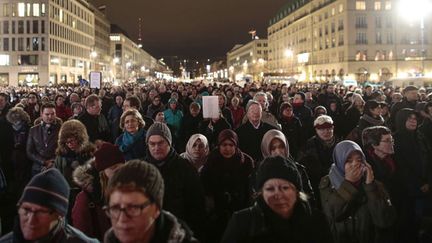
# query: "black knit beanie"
[[48, 189], [278, 168], [143, 175], [160, 129]]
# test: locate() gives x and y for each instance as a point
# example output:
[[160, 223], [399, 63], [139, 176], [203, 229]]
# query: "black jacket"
[[260, 224], [184, 194], [97, 127], [250, 138]]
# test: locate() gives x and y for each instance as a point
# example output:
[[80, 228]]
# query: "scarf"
[[196, 160], [372, 120], [387, 161], [129, 139]]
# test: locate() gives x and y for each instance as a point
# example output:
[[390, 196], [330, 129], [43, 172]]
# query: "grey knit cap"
[[161, 129]]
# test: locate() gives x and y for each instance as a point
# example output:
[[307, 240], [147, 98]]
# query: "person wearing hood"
[[19, 122], [356, 205], [304, 113], [135, 206], [87, 212], [132, 141], [73, 149], [183, 193], [409, 100], [225, 178], [413, 154], [275, 143], [281, 213], [197, 151]]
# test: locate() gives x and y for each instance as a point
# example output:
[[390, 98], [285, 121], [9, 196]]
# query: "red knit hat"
[[108, 155]]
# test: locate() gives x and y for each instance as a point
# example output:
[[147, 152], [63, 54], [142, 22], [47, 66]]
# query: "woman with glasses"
[[413, 155], [135, 201]]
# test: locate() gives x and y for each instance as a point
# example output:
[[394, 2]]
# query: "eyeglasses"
[[26, 212], [70, 141], [131, 211]]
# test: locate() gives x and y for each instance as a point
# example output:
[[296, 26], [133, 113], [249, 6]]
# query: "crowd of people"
[[140, 163]]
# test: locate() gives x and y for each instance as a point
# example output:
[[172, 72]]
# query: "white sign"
[[210, 107], [95, 80]]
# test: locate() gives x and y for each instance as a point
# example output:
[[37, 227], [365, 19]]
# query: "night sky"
[[192, 28]]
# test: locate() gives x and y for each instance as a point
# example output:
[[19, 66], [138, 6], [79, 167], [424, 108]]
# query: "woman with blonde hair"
[[132, 141]]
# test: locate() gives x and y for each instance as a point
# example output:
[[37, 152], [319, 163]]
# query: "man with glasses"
[[135, 200], [41, 212]]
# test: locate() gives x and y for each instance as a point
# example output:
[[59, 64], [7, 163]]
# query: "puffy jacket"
[[357, 214]]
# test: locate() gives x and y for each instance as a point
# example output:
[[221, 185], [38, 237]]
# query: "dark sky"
[[192, 28]]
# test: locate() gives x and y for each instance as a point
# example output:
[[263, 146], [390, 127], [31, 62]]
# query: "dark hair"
[[370, 105], [47, 105], [58, 96], [371, 136], [134, 102]]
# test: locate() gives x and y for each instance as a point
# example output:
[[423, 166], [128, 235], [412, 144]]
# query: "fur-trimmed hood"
[[74, 129]]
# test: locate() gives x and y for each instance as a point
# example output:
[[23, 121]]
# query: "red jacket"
[[63, 112], [89, 217], [237, 115]]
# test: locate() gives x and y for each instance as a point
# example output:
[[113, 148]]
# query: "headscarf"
[[197, 161], [340, 154], [228, 134], [268, 138]]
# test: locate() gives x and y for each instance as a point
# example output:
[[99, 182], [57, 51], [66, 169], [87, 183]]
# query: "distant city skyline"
[[192, 28]]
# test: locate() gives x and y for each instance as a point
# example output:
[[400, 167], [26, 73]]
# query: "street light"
[[416, 10]]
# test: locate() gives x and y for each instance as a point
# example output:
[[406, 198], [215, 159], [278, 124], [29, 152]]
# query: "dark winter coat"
[[167, 229], [355, 213], [136, 150], [97, 127], [226, 183], [189, 127], [259, 224], [396, 107], [292, 129], [39, 149], [62, 233], [212, 134], [184, 194], [250, 138]]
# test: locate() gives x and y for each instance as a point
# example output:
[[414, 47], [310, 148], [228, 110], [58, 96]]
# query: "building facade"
[[366, 40], [248, 61], [131, 62], [45, 41]]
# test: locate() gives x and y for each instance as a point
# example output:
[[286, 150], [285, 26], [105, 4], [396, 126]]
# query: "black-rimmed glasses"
[[131, 210]]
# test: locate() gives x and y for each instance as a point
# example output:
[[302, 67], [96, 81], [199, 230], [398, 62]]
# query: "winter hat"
[[323, 121], [48, 189], [108, 155], [228, 134], [278, 168], [172, 100], [143, 175], [160, 129]]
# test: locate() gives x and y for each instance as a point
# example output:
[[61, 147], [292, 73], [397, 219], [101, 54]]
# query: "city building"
[[248, 61], [366, 40], [45, 41], [131, 62]]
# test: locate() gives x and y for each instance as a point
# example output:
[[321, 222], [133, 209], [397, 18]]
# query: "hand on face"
[[353, 172]]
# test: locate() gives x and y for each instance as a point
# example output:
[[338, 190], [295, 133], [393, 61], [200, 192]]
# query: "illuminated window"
[[377, 6], [387, 5], [360, 5], [340, 8], [43, 9], [333, 12], [36, 9], [21, 9], [28, 13], [4, 60]]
